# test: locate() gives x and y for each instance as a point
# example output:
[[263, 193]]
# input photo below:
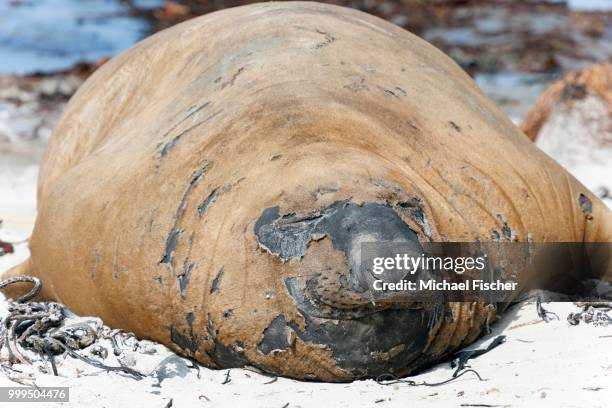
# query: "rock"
[[170, 367]]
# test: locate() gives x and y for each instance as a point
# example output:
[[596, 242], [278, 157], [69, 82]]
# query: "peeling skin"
[[222, 355], [586, 206], [180, 340], [188, 266], [187, 341], [231, 81], [390, 92], [208, 201], [175, 232], [328, 39], [396, 92], [348, 225], [507, 231], [214, 287], [416, 212], [287, 236], [167, 147], [184, 277], [275, 337]]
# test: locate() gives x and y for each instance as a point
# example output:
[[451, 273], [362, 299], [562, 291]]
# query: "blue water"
[[590, 5], [51, 35]]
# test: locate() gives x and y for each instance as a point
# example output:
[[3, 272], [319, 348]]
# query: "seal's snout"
[[367, 332]]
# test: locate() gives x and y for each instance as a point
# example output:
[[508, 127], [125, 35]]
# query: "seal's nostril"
[[354, 226]]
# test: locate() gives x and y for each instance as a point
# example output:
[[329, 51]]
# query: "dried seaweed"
[[596, 313], [389, 379], [42, 327]]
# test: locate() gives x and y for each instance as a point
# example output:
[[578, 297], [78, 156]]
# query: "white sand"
[[17, 206], [540, 364]]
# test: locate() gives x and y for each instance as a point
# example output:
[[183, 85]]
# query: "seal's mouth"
[[366, 339]]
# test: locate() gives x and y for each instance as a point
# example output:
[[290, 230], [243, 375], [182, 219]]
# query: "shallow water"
[[51, 35], [590, 5]]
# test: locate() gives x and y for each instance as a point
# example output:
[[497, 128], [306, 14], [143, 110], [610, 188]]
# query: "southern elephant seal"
[[581, 102], [572, 120], [207, 189]]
